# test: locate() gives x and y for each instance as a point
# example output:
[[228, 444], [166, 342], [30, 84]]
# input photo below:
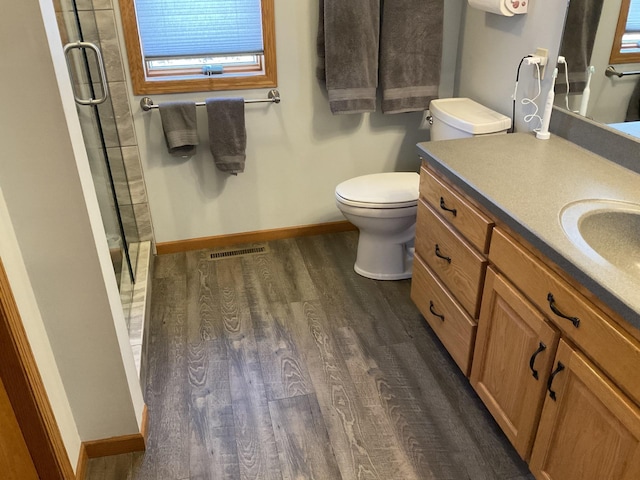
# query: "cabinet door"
[[591, 431], [514, 351]]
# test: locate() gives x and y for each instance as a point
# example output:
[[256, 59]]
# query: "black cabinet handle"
[[532, 360], [433, 312], [554, 309], [558, 369], [444, 207], [439, 255]]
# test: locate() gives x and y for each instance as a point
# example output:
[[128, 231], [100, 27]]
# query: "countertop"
[[525, 183]]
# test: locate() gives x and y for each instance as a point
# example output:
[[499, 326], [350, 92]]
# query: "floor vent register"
[[238, 252]]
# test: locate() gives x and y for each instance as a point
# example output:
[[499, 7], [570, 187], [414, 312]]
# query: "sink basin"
[[606, 230]]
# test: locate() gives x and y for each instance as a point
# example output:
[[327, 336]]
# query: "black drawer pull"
[[554, 309], [532, 360], [439, 255], [444, 207], [558, 369], [433, 312]]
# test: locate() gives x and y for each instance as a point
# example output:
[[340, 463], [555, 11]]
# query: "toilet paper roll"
[[492, 6]]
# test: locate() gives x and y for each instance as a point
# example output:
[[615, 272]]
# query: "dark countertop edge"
[[613, 302]]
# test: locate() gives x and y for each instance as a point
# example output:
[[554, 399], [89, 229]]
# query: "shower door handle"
[[103, 76]]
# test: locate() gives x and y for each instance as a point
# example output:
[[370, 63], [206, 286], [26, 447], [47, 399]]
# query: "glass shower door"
[[80, 38]]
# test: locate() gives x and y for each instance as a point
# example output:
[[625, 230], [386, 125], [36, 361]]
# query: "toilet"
[[383, 206]]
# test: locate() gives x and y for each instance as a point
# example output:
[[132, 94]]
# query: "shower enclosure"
[[89, 70]]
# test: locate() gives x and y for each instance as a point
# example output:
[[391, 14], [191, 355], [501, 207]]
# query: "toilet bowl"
[[383, 207]]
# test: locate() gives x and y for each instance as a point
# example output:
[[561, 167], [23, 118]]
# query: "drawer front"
[[610, 347], [453, 326], [458, 266], [465, 218]]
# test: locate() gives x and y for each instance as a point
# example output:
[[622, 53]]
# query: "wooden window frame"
[[616, 57], [144, 84]]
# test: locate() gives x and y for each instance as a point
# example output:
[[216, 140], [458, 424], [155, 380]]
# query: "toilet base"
[[385, 276], [380, 261]]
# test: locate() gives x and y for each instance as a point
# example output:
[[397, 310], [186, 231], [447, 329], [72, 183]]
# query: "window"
[[626, 43], [199, 45]]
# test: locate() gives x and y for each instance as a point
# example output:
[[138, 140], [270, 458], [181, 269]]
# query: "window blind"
[[179, 28], [633, 18]]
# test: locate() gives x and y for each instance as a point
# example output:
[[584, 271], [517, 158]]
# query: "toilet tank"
[[462, 117]]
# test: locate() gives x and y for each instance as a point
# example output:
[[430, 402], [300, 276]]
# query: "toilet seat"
[[380, 190], [390, 206]]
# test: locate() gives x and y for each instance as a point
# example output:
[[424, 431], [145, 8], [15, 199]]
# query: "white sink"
[[606, 230]]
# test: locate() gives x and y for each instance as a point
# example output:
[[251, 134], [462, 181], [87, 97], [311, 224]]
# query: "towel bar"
[[612, 72], [274, 97]]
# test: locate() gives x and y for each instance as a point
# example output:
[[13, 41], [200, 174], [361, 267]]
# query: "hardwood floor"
[[288, 365]]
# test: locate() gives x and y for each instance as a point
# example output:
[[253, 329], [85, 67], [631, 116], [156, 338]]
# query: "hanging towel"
[[227, 133], [582, 22], [351, 33], [179, 126], [633, 109], [410, 54], [320, 69]]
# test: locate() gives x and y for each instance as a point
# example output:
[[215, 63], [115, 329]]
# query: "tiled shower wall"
[[99, 26]]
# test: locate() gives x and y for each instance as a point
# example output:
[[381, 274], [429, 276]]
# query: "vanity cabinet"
[[589, 428], [560, 376], [580, 321]]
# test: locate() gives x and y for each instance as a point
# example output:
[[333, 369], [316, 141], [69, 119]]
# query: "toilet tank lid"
[[381, 188], [469, 116]]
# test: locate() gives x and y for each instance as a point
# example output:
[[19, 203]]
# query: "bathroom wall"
[[36, 333], [50, 200], [297, 151], [491, 48]]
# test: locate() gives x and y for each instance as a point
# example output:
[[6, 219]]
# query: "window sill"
[[161, 85]]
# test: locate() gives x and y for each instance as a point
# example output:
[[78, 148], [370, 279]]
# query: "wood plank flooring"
[[288, 365]]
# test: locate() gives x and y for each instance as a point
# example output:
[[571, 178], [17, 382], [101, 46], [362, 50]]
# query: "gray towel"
[[582, 22], [321, 74], [179, 126], [227, 133], [410, 54], [351, 33], [633, 110]]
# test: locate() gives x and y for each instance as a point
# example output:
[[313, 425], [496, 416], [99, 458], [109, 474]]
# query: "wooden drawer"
[[453, 326], [462, 271], [610, 347], [465, 218]]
